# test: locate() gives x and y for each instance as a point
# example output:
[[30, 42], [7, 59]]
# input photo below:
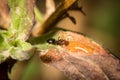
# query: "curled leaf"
[[82, 58]]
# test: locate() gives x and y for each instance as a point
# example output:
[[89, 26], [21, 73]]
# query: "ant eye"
[[51, 41]]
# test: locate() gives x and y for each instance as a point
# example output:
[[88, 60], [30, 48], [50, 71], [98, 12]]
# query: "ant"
[[57, 42]]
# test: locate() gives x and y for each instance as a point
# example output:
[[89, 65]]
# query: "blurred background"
[[101, 23]]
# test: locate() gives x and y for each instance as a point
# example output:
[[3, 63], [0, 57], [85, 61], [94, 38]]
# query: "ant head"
[[51, 41]]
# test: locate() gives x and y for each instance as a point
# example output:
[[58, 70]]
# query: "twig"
[[54, 18], [4, 14]]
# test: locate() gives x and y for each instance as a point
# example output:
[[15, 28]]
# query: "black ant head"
[[51, 41]]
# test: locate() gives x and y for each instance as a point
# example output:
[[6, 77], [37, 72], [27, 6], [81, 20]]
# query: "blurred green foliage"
[[13, 40]]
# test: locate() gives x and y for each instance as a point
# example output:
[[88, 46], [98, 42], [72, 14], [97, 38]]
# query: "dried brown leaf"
[[82, 59]]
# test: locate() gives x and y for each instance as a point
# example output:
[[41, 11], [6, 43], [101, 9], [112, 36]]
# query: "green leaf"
[[21, 21], [13, 41], [41, 42]]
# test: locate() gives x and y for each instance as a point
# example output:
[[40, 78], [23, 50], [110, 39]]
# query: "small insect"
[[57, 42]]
